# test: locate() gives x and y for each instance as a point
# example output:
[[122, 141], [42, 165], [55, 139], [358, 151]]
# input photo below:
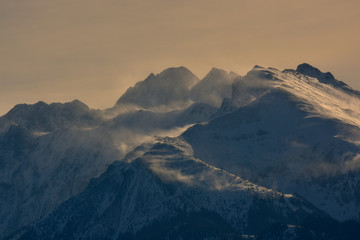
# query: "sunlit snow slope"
[[290, 132]]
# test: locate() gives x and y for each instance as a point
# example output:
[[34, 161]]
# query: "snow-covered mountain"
[[292, 133], [48, 117], [270, 155], [168, 89], [39, 171], [168, 194], [49, 152]]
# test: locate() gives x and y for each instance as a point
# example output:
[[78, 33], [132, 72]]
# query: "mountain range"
[[269, 155]]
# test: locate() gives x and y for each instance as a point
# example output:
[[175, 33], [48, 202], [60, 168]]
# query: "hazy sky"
[[59, 50]]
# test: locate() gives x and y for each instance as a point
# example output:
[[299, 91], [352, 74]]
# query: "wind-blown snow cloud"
[[126, 140]]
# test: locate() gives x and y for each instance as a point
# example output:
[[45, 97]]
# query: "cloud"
[[126, 140]]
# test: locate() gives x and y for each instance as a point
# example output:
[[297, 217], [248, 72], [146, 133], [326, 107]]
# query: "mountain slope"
[[294, 134], [168, 194], [39, 170]]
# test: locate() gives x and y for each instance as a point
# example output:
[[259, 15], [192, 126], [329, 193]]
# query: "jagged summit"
[[258, 67], [215, 71], [327, 78], [169, 88], [311, 71], [174, 71], [214, 87], [151, 76], [75, 105], [48, 117]]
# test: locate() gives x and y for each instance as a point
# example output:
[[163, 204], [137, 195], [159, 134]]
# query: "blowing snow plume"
[[290, 131], [245, 142]]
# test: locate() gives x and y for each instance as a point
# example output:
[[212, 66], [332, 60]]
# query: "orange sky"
[[60, 50]]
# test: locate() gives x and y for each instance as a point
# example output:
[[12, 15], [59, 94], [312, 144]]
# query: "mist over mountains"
[[269, 155]]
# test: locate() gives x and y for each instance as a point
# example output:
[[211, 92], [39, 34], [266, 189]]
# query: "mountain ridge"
[[189, 141], [174, 154]]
